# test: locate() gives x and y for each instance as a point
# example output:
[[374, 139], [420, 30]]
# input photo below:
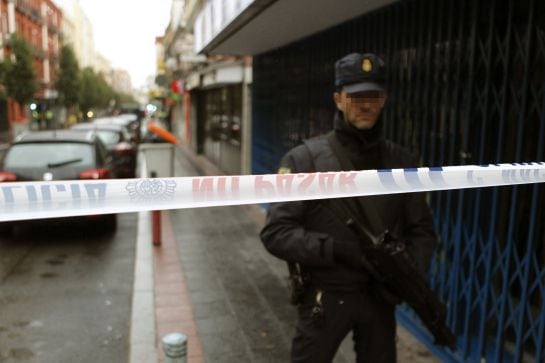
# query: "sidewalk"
[[214, 282]]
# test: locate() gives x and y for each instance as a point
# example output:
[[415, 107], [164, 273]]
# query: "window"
[[38, 155], [109, 137]]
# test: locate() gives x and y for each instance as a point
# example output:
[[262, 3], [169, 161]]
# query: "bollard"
[[175, 348], [156, 227], [155, 221]]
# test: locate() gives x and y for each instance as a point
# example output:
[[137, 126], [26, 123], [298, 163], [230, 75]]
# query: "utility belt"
[[300, 282], [304, 292]]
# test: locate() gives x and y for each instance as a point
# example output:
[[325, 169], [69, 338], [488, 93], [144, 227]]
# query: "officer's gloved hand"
[[347, 253]]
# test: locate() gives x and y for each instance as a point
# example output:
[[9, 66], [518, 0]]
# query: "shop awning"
[[269, 24]]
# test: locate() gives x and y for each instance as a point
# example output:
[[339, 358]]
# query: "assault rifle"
[[388, 261], [384, 257]]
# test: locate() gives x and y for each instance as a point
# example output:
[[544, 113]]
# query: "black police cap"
[[357, 72]]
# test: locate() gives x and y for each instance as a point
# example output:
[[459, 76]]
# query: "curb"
[[142, 333]]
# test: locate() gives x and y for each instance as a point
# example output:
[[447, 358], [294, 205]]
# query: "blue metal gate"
[[466, 84]]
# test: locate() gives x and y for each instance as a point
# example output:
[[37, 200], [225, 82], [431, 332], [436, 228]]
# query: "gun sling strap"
[[375, 223]]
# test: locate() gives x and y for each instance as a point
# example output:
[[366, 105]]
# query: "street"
[[65, 292], [425, 119]]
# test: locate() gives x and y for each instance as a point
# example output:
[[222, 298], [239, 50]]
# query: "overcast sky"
[[125, 32]]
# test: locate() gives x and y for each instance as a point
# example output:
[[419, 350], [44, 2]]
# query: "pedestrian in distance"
[[334, 293]]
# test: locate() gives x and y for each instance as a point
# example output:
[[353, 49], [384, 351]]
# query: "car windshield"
[[108, 137], [41, 155]]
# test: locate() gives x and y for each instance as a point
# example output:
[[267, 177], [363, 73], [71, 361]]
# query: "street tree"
[[20, 77], [95, 91], [89, 95], [123, 98], [68, 83], [106, 92], [3, 71]]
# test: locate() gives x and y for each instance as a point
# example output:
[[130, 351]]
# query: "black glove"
[[347, 253]]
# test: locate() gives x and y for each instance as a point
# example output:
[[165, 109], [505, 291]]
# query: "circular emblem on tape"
[[367, 65], [151, 189]]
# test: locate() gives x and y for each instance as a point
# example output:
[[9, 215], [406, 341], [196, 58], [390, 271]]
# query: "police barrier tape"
[[36, 200]]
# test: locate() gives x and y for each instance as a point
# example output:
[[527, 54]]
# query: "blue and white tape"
[[36, 200]]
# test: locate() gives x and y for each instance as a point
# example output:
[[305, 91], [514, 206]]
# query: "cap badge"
[[366, 65]]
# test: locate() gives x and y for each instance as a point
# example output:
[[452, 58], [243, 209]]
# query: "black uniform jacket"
[[305, 232]]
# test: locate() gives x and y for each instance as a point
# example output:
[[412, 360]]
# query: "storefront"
[[218, 115], [466, 85], [222, 127]]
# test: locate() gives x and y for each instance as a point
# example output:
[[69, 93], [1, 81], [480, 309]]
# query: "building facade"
[[78, 32], [121, 81], [212, 112], [220, 113], [104, 67], [466, 86], [39, 22]]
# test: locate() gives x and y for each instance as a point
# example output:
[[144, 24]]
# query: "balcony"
[[35, 15], [52, 28], [29, 11]]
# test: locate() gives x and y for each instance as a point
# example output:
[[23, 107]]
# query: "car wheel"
[[6, 229], [110, 222]]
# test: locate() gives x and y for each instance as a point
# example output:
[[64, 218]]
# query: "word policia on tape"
[[35, 200]]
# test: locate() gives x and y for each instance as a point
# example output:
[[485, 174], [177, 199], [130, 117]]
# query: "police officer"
[[339, 295]]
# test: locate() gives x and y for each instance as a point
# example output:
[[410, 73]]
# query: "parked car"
[[119, 144], [129, 121], [57, 155]]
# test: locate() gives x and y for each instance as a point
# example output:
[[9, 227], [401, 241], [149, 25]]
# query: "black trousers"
[[371, 320]]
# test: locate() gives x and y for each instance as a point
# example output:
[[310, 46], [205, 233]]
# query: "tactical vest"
[[315, 155]]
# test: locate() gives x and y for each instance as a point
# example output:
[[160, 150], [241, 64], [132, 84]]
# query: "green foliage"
[[20, 78], [77, 87], [123, 98], [68, 84], [3, 72], [95, 92]]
